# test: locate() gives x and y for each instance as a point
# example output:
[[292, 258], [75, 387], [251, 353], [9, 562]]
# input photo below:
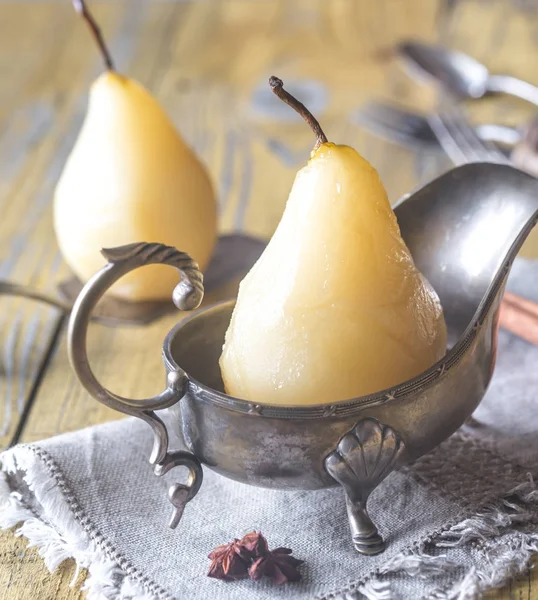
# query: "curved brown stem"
[[277, 85], [81, 9]]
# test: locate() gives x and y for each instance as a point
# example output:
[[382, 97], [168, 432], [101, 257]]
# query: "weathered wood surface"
[[208, 63]]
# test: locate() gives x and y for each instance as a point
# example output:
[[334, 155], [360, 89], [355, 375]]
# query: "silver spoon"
[[461, 74]]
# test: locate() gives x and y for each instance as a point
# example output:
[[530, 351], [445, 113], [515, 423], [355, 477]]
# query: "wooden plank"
[[41, 110], [38, 135], [23, 575], [208, 63]]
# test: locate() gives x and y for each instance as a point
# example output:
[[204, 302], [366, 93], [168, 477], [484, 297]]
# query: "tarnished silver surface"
[[115, 311], [187, 295], [461, 74], [362, 459], [463, 230]]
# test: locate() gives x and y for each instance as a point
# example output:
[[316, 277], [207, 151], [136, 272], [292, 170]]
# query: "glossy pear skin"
[[131, 178], [335, 307]]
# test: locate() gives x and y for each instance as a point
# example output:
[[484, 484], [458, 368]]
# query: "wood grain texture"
[[42, 102], [208, 63], [24, 577]]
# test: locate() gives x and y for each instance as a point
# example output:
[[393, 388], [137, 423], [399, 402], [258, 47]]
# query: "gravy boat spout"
[[463, 229]]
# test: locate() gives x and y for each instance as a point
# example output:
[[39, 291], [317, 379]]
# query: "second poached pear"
[[335, 307], [129, 178]]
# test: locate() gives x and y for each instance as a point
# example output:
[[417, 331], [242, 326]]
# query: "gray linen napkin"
[[461, 520]]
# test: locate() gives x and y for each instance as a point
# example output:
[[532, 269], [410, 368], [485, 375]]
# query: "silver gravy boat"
[[464, 229]]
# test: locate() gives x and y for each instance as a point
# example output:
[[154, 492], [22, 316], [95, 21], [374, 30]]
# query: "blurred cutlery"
[[459, 139], [461, 74], [411, 129]]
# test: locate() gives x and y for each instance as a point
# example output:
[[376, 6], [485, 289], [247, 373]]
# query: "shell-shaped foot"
[[364, 457]]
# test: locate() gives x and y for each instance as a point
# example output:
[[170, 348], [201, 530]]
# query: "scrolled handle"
[[187, 295]]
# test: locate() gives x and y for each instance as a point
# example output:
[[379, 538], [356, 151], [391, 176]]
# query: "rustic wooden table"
[[208, 62]]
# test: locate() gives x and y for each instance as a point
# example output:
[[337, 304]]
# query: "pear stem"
[[81, 9], [277, 85]]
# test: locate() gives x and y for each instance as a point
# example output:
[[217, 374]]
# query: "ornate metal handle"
[[187, 295]]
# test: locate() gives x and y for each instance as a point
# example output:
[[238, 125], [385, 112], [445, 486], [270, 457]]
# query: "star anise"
[[254, 545], [278, 564], [231, 561], [227, 563]]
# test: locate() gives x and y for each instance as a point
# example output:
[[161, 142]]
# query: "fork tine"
[[482, 150], [446, 136], [468, 141], [460, 140]]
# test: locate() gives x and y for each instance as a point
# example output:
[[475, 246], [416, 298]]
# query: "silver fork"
[[397, 124], [459, 139]]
